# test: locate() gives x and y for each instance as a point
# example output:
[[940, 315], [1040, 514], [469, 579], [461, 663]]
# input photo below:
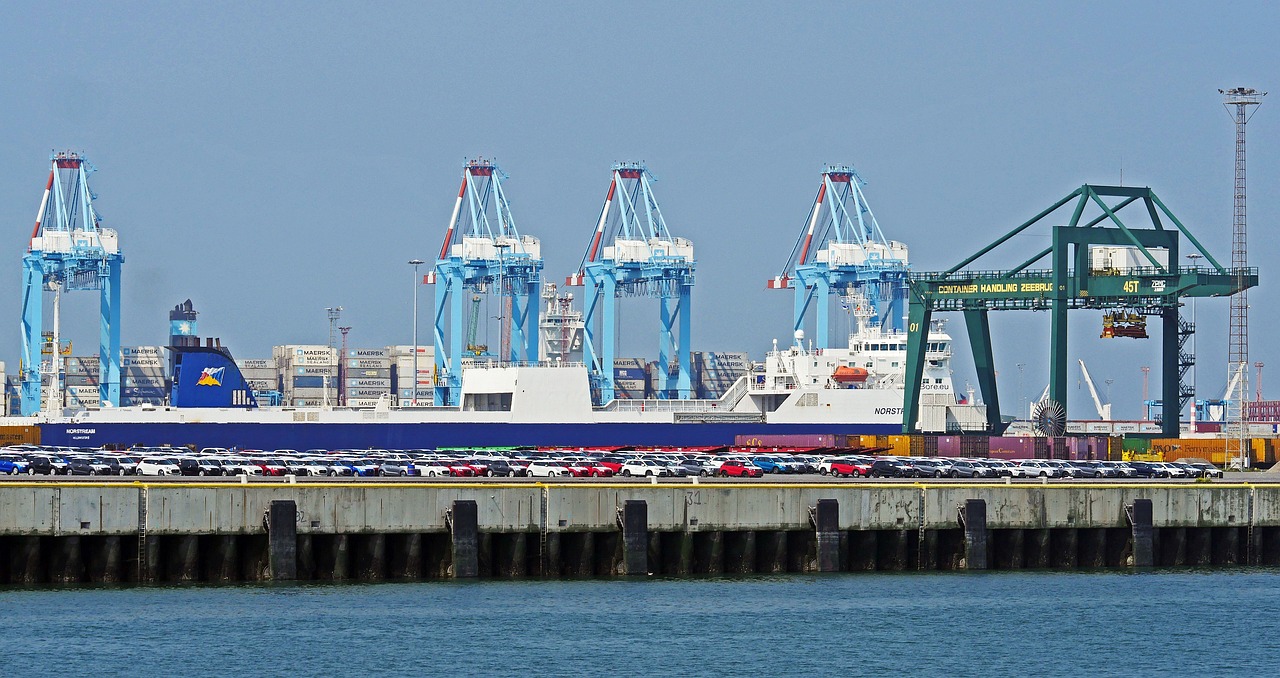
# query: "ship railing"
[[653, 405], [495, 364]]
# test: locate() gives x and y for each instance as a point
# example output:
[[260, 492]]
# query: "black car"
[[1142, 469], [889, 468], [116, 468], [45, 465], [499, 468], [80, 466]]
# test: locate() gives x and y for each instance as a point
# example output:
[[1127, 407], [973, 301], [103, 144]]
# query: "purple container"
[[1012, 447], [949, 446]]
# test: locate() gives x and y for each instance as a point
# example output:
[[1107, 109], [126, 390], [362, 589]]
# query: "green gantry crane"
[[1151, 283]]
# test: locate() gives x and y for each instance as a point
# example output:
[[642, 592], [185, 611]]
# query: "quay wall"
[[68, 532]]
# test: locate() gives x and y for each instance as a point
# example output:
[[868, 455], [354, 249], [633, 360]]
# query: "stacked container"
[[143, 378], [630, 379], [718, 371], [260, 374], [309, 374], [366, 376], [80, 378], [403, 377]]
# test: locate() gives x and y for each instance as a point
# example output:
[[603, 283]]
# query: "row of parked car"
[[948, 467], [731, 462]]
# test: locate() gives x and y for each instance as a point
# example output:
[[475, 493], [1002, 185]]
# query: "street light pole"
[[415, 263]]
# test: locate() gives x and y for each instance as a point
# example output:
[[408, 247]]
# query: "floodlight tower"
[[69, 250], [632, 253], [1240, 98], [483, 253], [843, 251]]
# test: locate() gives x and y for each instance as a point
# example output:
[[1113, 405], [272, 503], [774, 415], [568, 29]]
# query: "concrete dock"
[[61, 532]]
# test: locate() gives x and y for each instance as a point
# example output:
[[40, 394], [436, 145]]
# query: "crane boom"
[[1104, 411]]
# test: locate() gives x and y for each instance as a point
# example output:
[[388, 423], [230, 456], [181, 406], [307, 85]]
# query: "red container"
[[791, 440], [1012, 447]]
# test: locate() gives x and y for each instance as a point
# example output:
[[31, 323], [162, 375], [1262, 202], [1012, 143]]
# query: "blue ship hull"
[[302, 436]]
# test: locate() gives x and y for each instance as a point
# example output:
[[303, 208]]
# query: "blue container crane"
[[842, 251], [69, 250], [483, 253], [632, 253]]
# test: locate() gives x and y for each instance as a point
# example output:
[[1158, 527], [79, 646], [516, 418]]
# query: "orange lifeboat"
[[850, 375]]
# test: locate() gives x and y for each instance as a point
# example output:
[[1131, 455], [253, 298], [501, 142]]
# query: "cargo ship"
[[797, 390]]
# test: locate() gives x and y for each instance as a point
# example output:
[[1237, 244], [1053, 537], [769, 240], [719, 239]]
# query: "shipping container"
[[368, 353], [262, 384], [256, 364], [366, 392], [316, 371], [384, 384], [158, 351], [836, 440], [948, 446], [19, 435], [373, 364], [307, 402], [630, 374], [367, 374], [79, 380], [900, 445], [1011, 447], [144, 382], [155, 362], [308, 382], [1124, 427], [362, 402]]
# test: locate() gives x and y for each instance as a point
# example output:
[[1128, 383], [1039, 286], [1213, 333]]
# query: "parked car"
[[12, 464], [889, 468], [645, 467], [156, 466], [734, 468]]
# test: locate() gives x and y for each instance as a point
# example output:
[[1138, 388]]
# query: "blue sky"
[[268, 160]]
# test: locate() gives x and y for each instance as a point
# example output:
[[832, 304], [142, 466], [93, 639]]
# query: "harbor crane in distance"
[[1091, 267], [842, 251], [483, 254], [1104, 411], [632, 253], [69, 250]]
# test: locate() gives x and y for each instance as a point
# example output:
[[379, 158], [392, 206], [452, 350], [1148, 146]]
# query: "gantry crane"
[[483, 253], [632, 253], [69, 250], [842, 251]]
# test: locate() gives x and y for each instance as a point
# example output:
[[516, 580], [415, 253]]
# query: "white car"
[[151, 466], [1035, 468], [645, 467], [546, 469]]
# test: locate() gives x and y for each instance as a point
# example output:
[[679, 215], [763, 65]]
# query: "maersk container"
[[143, 361], [384, 384], [369, 353], [156, 351], [363, 402], [256, 364], [372, 364], [262, 384], [313, 371], [352, 373], [366, 392]]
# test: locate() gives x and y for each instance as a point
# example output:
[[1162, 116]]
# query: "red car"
[[848, 469], [598, 470], [738, 469]]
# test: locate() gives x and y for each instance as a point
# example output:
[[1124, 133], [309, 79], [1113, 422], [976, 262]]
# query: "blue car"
[[13, 465], [768, 465]]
